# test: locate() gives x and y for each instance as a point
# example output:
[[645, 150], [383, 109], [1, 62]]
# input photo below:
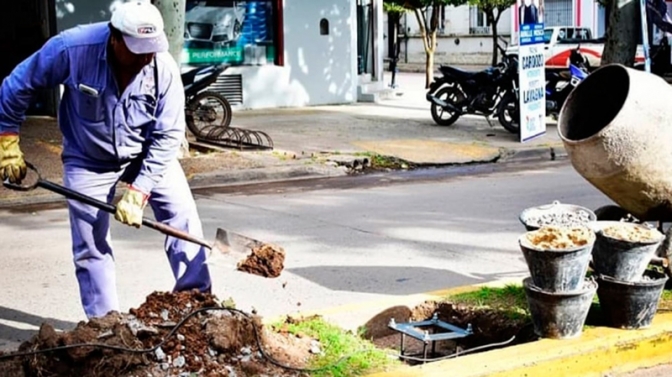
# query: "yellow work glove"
[[12, 165], [130, 207]]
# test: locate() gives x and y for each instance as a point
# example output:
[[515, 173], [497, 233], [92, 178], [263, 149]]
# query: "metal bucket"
[[615, 126], [557, 214], [630, 305], [620, 259], [560, 270], [559, 315]]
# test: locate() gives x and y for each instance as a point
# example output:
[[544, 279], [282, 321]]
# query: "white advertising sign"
[[531, 69], [532, 91]]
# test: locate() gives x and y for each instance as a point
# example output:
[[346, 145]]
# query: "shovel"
[[226, 242]]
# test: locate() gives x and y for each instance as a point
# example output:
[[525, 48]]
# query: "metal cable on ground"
[[172, 332]]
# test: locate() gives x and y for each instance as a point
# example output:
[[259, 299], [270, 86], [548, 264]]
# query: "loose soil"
[[488, 325], [632, 233], [265, 261], [212, 343], [558, 238]]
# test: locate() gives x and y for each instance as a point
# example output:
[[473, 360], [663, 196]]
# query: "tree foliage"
[[493, 10], [427, 14]]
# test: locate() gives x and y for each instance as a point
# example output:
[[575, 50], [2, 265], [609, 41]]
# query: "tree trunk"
[[495, 50], [430, 48], [173, 12], [429, 68], [621, 44]]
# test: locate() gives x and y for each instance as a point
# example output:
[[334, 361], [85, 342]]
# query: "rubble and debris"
[[209, 343]]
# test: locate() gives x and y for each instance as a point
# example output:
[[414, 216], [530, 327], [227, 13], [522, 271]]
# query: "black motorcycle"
[[205, 108], [458, 92], [560, 84]]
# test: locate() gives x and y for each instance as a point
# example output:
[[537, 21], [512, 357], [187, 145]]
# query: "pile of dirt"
[[211, 343], [489, 327], [265, 261]]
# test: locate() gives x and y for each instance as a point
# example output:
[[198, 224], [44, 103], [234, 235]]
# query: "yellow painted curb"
[[596, 352]]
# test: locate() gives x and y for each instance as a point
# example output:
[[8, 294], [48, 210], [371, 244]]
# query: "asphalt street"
[[344, 244]]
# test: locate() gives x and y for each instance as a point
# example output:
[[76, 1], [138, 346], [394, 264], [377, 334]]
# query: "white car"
[[210, 22], [559, 41]]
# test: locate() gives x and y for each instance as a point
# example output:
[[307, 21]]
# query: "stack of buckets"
[[560, 295]]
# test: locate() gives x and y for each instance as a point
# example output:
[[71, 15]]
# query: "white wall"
[[458, 21], [455, 45], [588, 15], [459, 50], [318, 69]]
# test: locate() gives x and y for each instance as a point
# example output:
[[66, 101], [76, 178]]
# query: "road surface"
[[345, 243]]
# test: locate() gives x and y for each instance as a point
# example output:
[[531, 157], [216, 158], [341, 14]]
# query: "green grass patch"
[[336, 343], [384, 162], [509, 299]]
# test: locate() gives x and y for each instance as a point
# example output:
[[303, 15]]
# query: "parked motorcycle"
[[560, 84], [458, 92], [205, 108]]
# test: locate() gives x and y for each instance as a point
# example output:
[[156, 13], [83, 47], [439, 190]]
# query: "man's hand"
[[12, 165], [130, 207]]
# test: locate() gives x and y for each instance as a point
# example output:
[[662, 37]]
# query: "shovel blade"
[[229, 242]]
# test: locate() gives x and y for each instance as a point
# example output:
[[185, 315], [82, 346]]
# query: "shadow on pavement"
[[388, 280], [11, 337]]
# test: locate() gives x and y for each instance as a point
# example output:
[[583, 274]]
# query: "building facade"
[[464, 37], [279, 53]]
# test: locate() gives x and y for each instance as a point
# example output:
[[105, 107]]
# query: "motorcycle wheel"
[[451, 94], [508, 113], [202, 113]]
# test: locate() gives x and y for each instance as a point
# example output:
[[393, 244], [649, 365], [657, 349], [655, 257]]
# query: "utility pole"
[[173, 21]]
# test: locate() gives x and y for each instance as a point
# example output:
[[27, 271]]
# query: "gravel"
[[577, 218]]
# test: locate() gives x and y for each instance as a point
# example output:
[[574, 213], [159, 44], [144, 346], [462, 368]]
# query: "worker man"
[[122, 119]]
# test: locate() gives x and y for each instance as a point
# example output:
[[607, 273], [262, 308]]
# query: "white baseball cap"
[[141, 24]]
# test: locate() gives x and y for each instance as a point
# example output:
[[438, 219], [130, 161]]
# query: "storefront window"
[[230, 32]]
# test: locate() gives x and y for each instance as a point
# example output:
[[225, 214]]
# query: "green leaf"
[[410, 5], [491, 5]]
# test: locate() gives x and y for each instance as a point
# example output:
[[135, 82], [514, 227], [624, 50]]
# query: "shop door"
[[24, 28], [364, 37]]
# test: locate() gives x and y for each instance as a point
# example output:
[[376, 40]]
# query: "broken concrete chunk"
[[179, 362], [160, 355], [138, 327], [106, 334]]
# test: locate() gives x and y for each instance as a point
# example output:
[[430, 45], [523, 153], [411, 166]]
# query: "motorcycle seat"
[[189, 77], [459, 74]]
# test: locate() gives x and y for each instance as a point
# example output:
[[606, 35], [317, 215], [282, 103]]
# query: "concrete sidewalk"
[[314, 141]]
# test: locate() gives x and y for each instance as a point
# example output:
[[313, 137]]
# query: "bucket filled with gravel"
[[556, 214]]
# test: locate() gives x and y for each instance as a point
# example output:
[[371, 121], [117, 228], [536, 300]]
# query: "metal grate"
[[558, 13], [230, 86]]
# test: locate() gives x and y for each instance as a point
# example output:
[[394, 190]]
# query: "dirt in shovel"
[[489, 326], [212, 343], [266, 261]]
